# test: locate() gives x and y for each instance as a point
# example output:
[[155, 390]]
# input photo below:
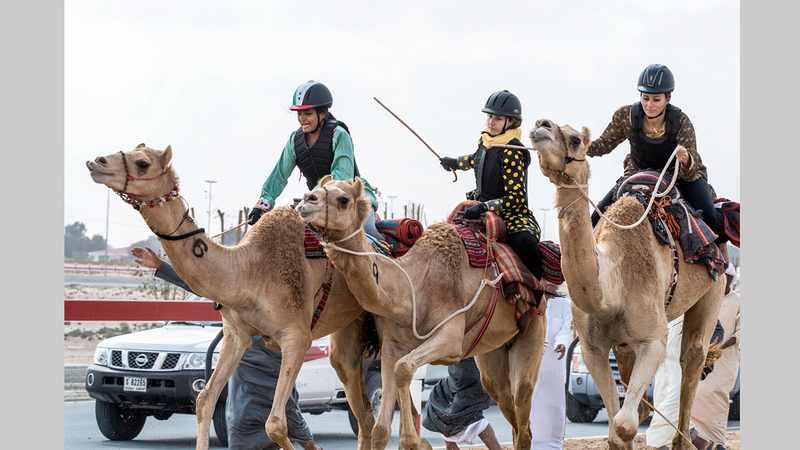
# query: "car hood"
[[175, 338]]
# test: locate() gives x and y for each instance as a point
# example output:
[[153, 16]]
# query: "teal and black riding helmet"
[[503, 103], [656, 79], [311, 95]]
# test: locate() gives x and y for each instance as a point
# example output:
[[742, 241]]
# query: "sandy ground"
[[79, 352]]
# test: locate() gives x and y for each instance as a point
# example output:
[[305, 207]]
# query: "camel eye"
[[576, 141], [142, 165], [343, 201]]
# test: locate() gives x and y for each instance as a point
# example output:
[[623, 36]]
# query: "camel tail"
[[369, 336]]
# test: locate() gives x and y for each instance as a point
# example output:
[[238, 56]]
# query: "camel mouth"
[[305, 214], [96, 174], [541, 135]]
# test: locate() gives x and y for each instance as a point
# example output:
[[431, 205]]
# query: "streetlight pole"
[[544, 220], [391, 205], [210, 183], [105, 261]]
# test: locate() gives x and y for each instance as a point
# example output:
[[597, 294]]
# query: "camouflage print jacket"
[[620, 129]]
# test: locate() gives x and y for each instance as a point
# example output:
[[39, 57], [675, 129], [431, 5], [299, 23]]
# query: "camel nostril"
[[101, 160], [311, 198], [546, 124]]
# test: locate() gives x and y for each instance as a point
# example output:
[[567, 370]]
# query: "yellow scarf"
[[489, 140]]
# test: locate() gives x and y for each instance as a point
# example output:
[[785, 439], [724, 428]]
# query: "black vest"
[[653, 153], [315, 162], [489, 171]]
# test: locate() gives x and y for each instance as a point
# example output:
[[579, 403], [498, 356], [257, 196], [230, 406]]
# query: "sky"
[[215, 82]]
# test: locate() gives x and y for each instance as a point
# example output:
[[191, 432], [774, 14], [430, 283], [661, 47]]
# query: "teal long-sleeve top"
[[342, 168]]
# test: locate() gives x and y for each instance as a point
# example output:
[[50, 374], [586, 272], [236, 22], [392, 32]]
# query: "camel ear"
[[586, 135], [166, 156], [140, 145], [324, 180], [358, 187]]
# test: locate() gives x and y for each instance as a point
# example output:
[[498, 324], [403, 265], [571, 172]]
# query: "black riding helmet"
[[656, 79], [503, 103], [311, 95]]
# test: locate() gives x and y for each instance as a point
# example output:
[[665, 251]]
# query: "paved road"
[[331, 429]]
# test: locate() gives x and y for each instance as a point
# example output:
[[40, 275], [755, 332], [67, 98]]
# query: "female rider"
[[501, 176], [654, 127], [321, 146]]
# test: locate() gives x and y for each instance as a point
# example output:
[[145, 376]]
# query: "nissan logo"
[[141, 360]]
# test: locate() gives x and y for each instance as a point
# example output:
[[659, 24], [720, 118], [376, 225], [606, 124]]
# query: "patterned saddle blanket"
[[518, 285], [671, 214]]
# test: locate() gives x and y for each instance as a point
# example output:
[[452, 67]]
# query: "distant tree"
[[151, 242], [77, 245]]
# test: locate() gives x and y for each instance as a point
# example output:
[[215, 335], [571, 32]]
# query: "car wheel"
[[375, 394], [118, 423], [577, 412], [220, 423], [353, 421], [733, 412]]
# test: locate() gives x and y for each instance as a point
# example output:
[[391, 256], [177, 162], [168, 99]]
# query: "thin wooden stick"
[[514, 146], [659, 413], [231, 229], [415, 134]]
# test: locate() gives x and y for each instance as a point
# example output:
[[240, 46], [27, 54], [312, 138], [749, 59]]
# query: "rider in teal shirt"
[[321, 146]]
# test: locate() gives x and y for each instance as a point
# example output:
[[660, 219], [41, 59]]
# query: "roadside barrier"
[[139, 310]]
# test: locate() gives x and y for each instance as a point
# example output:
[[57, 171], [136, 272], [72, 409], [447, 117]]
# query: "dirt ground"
[[79, 352]]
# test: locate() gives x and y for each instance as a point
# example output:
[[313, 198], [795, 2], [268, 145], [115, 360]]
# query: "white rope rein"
[[484, 282], [652, 198]]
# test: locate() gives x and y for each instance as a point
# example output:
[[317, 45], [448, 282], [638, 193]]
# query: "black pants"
[[526, 246], [697, 193]]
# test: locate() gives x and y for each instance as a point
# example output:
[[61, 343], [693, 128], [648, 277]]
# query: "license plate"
[[135, 384], [621, 391]]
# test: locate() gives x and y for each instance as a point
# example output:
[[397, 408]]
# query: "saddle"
[[485, 243], [673, 219]]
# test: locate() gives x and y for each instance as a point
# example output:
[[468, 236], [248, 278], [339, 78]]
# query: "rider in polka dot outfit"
[[501, 177]]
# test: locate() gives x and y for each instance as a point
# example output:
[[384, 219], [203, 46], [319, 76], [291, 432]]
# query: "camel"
[[619, 281], [265, 285], [443, 282]]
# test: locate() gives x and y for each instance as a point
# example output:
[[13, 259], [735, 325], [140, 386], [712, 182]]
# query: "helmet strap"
[[656, 116], [319, 122]]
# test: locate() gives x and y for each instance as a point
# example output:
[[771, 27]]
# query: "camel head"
[[562, 151], [335, 205], [141, 174]]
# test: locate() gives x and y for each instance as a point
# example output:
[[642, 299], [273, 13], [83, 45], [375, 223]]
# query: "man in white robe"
[[710, 410], [548, 405]]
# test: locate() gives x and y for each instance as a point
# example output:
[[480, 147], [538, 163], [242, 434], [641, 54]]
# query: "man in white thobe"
[[710, 410], [548, 405]]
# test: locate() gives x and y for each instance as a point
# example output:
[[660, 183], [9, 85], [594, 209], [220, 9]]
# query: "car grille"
[[144, 361]]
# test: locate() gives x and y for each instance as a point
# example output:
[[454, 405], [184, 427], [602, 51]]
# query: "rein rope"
[[484, 282], [655, 195]]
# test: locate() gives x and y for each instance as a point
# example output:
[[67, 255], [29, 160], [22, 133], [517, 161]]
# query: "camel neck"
[[579, 251], [371, 279]]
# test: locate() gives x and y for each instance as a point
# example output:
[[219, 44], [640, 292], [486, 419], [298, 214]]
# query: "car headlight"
[[100, 356], [578, 365], [197, 361]]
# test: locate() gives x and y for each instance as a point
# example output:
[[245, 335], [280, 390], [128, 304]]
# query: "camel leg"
[[596, 358], [347, 352], [382, 430], [294, 345], [648, 356], [525, 358], [234, 344], [444, 346], [496, 381], [626, 359], [698, 325]]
